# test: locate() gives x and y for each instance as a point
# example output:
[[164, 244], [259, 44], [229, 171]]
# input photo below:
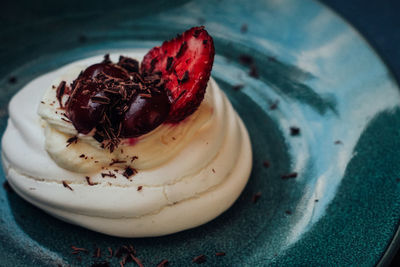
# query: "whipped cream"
[[188, 172]]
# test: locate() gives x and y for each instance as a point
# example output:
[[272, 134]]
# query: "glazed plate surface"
[[315, 97]]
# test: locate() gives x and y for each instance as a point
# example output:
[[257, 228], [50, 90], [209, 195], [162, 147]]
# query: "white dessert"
[[188, 173]]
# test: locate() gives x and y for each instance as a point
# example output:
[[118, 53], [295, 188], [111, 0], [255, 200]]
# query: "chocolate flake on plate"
[[12, 79], [199, 259], [289, 175], [274, 105], [163, 263], [97, 253], [237, 87], [110, 251], [79, 249], [294, 131], [254, 71], [256, 197]]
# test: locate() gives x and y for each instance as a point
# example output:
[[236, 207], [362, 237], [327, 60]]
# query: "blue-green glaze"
[[328, 82]]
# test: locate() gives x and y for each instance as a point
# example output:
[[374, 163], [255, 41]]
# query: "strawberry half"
[[185, 63]]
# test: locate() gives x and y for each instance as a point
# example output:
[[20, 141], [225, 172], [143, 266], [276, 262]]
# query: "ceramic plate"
[[315, 97]]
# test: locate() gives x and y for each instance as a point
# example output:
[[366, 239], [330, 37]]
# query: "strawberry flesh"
[[185, 64]]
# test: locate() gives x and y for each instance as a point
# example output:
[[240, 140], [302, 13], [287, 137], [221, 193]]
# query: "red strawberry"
[[185, 63]]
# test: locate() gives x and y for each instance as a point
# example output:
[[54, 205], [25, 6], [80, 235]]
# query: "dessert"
[[129, 150]]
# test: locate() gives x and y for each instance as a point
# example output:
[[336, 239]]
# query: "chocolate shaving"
[[98, 137], [163, 263], [338, 142], [82, 156], [129, 172], [220, 254], [289, 175], [107, 59], [199, 259], [66, 120], [184, 78], [60, 92], [169, 63], [139, 188], [133, 158], [145, 95], [288, 212], [182, 50], [130, 64], [67, 185], [89, 181], [116, 161], [71, 140], [109, 174], [100, 99]]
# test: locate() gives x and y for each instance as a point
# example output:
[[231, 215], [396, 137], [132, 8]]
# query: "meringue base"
[[183, 215], [190, 187]]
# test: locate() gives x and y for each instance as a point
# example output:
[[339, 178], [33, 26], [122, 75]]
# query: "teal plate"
[[315, 73]]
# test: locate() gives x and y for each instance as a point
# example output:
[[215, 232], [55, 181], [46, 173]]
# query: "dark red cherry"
[[111, 70], [82, 111], [145, 114]]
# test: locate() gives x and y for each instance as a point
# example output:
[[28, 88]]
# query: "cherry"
[[145, 114], [89, 102], [82, 111]]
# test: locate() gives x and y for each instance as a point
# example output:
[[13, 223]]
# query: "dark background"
[[379, 22]]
